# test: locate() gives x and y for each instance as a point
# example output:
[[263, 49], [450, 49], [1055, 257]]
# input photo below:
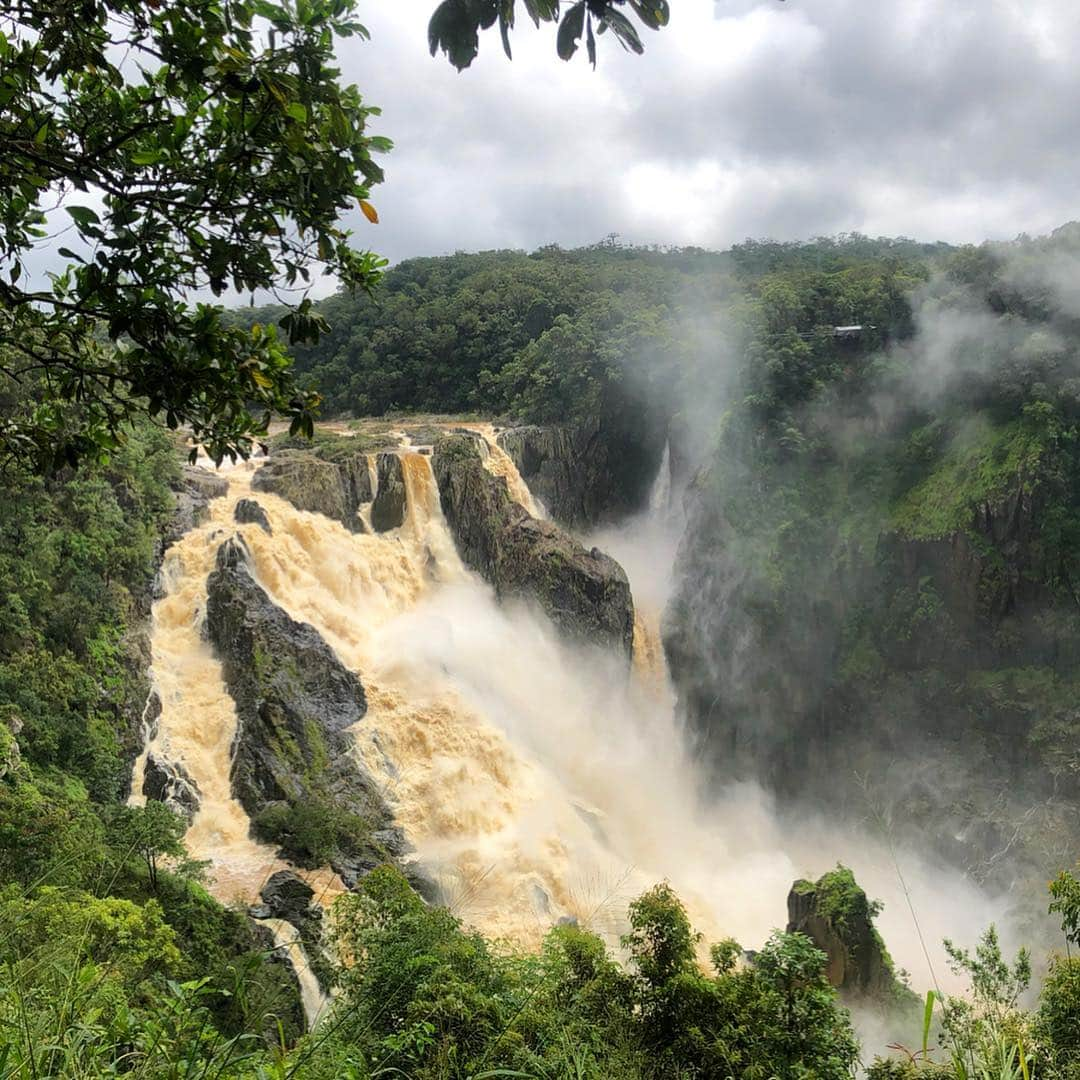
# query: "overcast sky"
[[937, 119]]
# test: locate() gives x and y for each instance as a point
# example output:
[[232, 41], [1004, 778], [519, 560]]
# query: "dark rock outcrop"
[[335, 488], [294, 769], [289, 1008], [249, 512], [287, 896], [585, 593], [164, 781], [587, 472], [388, 509], [837, 916], [194, 490]]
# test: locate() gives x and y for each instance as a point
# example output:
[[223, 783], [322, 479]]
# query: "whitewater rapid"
[[536, 782]]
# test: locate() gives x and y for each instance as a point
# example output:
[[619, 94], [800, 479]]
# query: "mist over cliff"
[[875, 610]]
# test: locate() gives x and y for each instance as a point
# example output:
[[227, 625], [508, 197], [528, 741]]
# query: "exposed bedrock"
[[294, 767], [335, 488], [585, 593], [388, 509], [586, 473], [194, 490]]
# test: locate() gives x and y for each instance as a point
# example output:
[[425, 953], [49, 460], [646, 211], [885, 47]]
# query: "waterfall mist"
[[537, 781]]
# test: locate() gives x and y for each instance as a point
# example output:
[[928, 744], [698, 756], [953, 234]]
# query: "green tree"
[[988, 1024], [148, 832], [183, 147], [190, 145], [661, 941]]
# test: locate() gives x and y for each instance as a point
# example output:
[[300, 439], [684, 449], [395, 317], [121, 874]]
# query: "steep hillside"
[[878, 603]]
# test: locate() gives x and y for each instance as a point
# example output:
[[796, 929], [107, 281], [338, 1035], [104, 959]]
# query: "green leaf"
[[504, 30], [454, 30], [83, 215], [653, 13], [570, 30], [147, 157], [624, 30], [546, 10], [297, 112]]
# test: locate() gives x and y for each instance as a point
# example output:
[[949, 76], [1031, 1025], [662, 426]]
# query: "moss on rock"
[[836, 914]]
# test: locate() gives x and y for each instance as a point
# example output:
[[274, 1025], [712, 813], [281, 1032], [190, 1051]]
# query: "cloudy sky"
[[937, 119]]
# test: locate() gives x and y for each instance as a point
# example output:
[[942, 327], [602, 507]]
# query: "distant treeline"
[[593, 332]]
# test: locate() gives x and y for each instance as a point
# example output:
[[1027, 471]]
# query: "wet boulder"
[[170, 783], [289, 897], [249, 512]]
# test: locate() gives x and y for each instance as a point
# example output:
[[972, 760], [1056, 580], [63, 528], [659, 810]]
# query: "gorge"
[[515, 768]]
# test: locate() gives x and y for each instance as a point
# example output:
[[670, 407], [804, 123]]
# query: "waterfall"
[[660, 495], [287, 941], [198, 718], [499, 463], [534, 780]]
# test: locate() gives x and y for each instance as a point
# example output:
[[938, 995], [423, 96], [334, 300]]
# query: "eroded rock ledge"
[[294, 768], [335, 488], [585, 593]]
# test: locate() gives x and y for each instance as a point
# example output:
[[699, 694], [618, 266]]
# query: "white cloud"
[[942, 119], [937, 119]]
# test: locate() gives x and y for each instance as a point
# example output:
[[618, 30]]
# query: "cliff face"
[[585, 593], [586, 473], [334, 488], [859, 628], [294, 770]]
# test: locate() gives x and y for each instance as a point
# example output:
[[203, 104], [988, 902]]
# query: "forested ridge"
[[561, 335]]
